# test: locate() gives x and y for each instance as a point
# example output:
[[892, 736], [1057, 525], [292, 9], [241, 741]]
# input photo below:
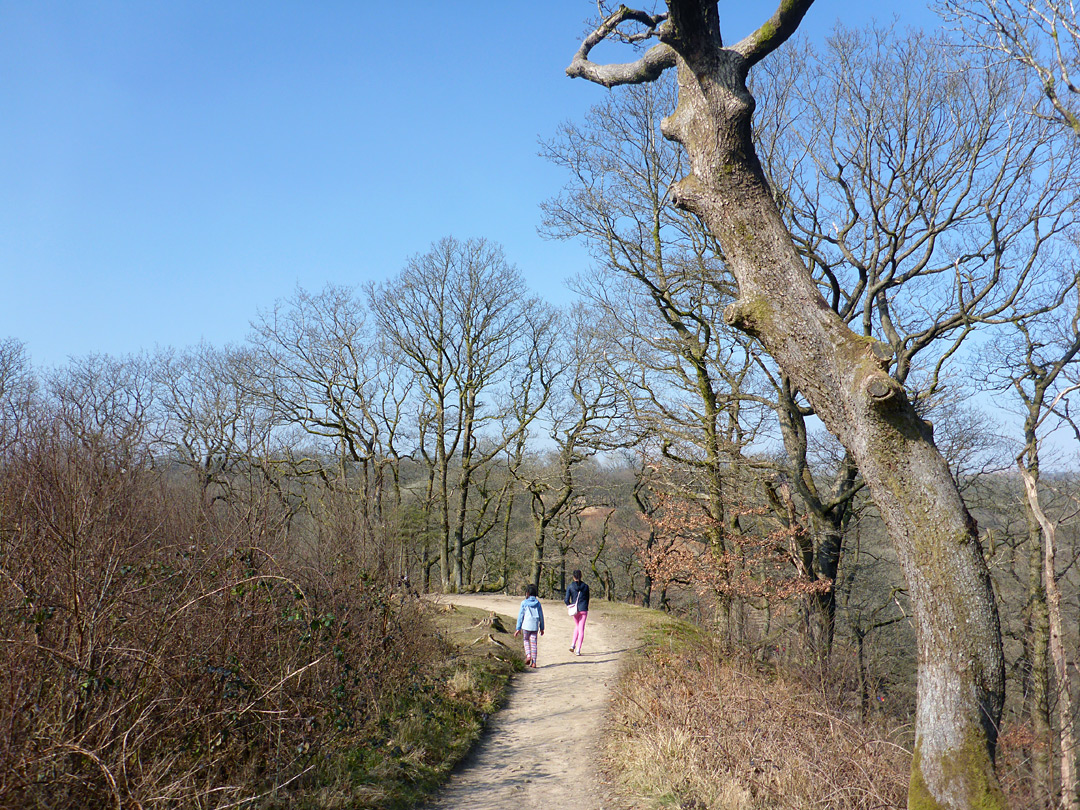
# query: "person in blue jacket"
[[577, 595], [530, 622]]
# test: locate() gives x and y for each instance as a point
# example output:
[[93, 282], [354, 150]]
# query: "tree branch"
[[774, 32], [646, 69]]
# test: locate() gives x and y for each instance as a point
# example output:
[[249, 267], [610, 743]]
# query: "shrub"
[[160, 650], [697, 726]]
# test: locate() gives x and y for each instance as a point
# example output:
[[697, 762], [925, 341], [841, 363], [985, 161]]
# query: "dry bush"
[[1016, 744], [697, 727], [159, 651]]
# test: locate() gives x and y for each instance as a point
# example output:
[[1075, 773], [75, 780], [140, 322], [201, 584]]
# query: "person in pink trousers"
[[577, 595]]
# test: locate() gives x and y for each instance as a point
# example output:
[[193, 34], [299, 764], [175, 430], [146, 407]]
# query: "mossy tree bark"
[[961, 671]]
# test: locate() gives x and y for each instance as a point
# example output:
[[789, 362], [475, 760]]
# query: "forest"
[[208, 554]]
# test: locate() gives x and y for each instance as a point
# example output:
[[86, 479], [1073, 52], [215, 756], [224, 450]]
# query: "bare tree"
[[107, 405], [213, 422], [469, 334], [1041, 35], [924, 207], [578, 419], [923, 204], [1037, 364], [961, 671], [703, 390], [659, 290], [17, 386], [322, 371]]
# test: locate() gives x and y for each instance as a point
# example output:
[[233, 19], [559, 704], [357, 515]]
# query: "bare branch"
[[646, 69]]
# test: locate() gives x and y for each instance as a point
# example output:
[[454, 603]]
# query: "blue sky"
[[168, 169]]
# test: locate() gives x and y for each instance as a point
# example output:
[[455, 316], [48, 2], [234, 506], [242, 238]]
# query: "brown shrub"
[[697, 726], [162, 651]]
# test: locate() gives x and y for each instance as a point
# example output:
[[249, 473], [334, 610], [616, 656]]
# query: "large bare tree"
[[926, 209], [473, 339], [843, 375]]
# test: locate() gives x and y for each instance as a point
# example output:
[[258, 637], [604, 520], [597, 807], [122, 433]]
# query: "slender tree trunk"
[[650, 541], [538, 551], [426, 561], [468, 406], [828, 567], [506, 543], [713, 474], [1070, 800], [458, 563], [864, 695], [1038, 649], [830, 518], [444, 522]]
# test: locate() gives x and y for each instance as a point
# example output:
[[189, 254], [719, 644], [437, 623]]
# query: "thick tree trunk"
[[961, 667], [961, 672]]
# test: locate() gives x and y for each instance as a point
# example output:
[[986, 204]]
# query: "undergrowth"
[[427, 730], [162, 648], [699, 727]]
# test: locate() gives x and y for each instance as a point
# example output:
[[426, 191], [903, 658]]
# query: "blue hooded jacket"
[[531, 615]]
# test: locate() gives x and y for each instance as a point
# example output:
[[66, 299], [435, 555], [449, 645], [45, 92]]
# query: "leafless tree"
[[321, 370], [925, 207], [474, 340], [961, 671], [659, 289], [212, 421], [107, 405], [17, 386], [1043, 36], [1037, 366], [577, 420], [926, 210]]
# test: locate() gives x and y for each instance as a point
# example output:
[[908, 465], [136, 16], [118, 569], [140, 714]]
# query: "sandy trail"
[[539, 751]]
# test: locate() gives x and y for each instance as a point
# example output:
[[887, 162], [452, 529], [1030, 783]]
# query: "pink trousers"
[[579, 630]]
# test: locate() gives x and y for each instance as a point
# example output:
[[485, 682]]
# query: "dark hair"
[[530, 590], [577, 573]]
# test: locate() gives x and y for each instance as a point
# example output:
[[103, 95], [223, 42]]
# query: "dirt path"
[[540, 749]]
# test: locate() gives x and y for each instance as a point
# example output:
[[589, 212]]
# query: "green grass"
[[426, 729]]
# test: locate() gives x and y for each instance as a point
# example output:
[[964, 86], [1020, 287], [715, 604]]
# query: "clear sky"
[[168, 169]]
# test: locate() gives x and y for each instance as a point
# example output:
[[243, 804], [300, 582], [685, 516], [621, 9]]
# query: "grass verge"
[[429, 726], [695, 726]]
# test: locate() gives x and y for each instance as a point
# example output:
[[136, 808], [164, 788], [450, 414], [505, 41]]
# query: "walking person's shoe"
[[528, 662], [572, 650]]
